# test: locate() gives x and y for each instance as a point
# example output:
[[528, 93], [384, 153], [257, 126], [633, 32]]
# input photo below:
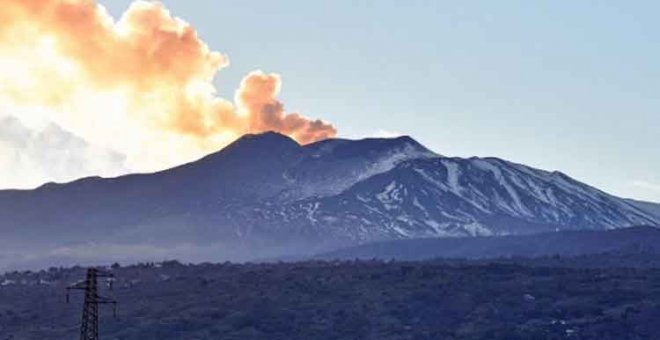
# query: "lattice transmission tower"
[[89, 325]]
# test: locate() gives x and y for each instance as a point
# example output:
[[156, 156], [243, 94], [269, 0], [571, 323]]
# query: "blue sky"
[[560, 85]]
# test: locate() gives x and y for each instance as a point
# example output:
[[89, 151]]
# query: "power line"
[[89, 325]]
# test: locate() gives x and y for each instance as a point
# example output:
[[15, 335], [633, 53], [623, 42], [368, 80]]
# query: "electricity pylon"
[[89, 325]]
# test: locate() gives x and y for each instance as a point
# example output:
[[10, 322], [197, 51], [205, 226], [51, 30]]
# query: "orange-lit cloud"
[[257, 97], [141, 85]]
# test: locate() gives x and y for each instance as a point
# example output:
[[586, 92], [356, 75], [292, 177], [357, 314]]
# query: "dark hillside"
[[564, 243], [348, 300]]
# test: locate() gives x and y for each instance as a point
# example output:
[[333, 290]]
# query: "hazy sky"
[[559, 85]]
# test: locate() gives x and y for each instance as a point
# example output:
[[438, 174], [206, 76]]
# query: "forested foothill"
[[606, 296]]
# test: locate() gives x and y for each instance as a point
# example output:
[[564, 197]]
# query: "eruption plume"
[[141, 86]]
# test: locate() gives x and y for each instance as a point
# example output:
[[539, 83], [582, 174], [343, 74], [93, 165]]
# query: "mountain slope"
[[469, 197], [565, 243], [651, 208], [265, 195]]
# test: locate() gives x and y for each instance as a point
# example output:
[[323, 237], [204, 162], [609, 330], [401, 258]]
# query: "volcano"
[[266, 196]]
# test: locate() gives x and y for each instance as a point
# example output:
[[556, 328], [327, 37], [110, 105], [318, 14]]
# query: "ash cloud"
[[141, 86]]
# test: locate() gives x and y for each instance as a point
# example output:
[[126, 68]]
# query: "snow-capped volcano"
[[442, 196], [265, 195]]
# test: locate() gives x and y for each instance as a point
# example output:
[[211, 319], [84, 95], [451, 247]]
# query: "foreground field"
[[527, 299]]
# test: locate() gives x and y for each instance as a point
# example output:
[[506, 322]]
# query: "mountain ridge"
[[651, 207], [267, 196]]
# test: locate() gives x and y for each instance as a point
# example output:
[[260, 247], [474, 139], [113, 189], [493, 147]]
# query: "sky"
[[558, 85]]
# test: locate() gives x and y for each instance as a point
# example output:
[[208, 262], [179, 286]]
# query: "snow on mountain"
[[332, 166], [265, 196], [441, 196]]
